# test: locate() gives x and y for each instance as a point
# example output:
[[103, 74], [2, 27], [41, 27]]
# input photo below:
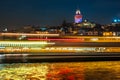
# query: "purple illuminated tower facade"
[[78, 17]]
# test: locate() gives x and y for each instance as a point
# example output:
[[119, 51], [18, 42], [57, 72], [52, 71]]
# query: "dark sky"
[[53, 12]]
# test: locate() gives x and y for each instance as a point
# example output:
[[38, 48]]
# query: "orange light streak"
[[67, 40]]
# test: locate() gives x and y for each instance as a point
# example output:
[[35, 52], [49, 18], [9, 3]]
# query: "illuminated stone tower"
[[78, 17]]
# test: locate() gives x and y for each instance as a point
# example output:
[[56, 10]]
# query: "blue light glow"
[[78, 20], [116, 20]]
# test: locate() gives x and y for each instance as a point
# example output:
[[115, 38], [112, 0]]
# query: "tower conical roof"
[[78, 11]]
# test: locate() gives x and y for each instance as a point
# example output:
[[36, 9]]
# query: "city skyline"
[[53, 12]]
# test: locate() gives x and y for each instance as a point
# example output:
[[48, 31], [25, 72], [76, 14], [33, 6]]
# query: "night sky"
[[53, 12]]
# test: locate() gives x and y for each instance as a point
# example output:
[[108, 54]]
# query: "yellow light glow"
[[26, 34], [24, 43], [62, 49]]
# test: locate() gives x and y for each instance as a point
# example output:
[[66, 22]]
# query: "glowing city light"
[[27, 34], [116, 20], [24, 43]]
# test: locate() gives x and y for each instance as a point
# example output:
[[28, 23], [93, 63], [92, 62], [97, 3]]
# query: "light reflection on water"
[[102, 70]]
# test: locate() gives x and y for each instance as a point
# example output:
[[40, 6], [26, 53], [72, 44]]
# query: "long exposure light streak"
[[27, 34], [24, 43], [67, 40]]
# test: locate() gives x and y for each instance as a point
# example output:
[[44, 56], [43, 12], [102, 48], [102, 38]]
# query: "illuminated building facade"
[[78, 17], [86, 24]]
